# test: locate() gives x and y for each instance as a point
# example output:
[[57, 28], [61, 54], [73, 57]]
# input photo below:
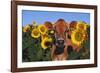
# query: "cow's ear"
[[54, 28]]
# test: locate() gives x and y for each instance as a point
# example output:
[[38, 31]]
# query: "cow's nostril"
[[60, 42]]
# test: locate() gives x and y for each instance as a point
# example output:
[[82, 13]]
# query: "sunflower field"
[[37, 41]]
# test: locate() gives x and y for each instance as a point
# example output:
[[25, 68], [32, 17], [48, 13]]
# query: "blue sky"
[[28, 16]]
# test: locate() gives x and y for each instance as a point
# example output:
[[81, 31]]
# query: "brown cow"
[[59, 48]]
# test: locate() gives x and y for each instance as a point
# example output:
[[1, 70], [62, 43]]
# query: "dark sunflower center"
[[42, 29], [27, 29], [47, 43], [35, 32], [81, 26], [78, 36]]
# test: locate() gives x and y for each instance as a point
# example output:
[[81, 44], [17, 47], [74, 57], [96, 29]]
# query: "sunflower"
[[73, 25], [46, 43], [48, 25], [77, 37], [26, 28], [35, 33], [42, 29], [81, 25], [44, 36], [34, 24]]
